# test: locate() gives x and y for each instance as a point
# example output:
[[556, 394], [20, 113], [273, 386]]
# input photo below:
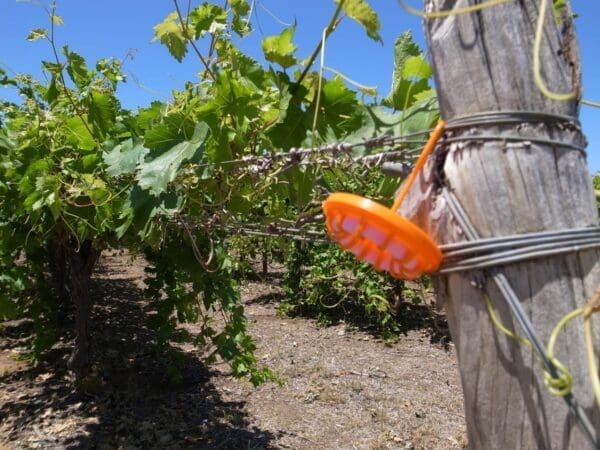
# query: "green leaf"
[[240, 23], [240, 7], [102, 110], [77, 69], [407, 92], [362, 12], [46, 194], [158, 173], [52, 91], [147, 116], [37, 168], [416, 67], [176, 127], [338, 113], [57, 20], [169, 33], [124, 158], [78, 134], [5, 80], [404, 48], [280, 49], [95, 188], [207, 17], [141, 207], [89, 163], [5, 142], [291, 129], [422, 115], [52, 67], [37, 33], [111, 69]]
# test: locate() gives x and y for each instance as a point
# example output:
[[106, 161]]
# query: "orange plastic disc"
[[378, 235]]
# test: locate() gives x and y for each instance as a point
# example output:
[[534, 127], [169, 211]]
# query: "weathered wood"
[[483, 62]]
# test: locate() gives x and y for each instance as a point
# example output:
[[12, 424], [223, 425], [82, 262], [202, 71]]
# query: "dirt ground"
[[343, 388]]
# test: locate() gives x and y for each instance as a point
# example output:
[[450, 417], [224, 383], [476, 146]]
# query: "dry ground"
[[343, 388]]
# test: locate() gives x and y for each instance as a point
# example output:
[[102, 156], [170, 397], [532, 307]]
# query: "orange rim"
[[379, 236]]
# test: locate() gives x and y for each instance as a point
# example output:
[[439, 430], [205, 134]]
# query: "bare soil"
[[342, 387]]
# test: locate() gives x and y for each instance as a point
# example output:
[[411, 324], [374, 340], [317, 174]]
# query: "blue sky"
[[97, 29]]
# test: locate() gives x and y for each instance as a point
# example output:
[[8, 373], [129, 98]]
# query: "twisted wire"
[[555, 374]]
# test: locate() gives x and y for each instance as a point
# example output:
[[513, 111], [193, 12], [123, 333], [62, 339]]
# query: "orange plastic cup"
[[378, 235]]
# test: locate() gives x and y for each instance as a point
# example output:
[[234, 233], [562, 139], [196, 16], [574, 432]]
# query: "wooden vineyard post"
[[483, 62]]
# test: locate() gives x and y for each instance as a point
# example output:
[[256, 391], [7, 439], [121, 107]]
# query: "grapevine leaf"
[[368, 128], [240, 7], [52, 67], [147, 116], [207, 17], [37, 168], [77, 69], [416, 67], [52, 91], [291, 129], [280, 49], [161, 136], [111, 69], [158, 173], [176, 127], [102, 110], [95, 188], [404, 48], [5, 80], [37, 33], [406, 93], [301, 182], [422, 115], [140, 208], [89, 163], [240, 24], [338, 108], [124, 158], [47, 194], [169, 33], [6, 143], [78, 134], [362, 12]]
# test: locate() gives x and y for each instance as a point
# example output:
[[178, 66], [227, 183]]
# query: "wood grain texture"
[[483, 62]]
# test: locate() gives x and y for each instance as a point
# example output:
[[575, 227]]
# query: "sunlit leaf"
[[77, 69], [409, 65], [280, 48], [37, 33], [57, 20], [78, 134], [207, 17], [169, 33], [102, 110], [416, 67], [155, 175], [362, 12]]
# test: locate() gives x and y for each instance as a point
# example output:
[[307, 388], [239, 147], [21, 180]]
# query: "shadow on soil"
[[129, 399], [410, 316]]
